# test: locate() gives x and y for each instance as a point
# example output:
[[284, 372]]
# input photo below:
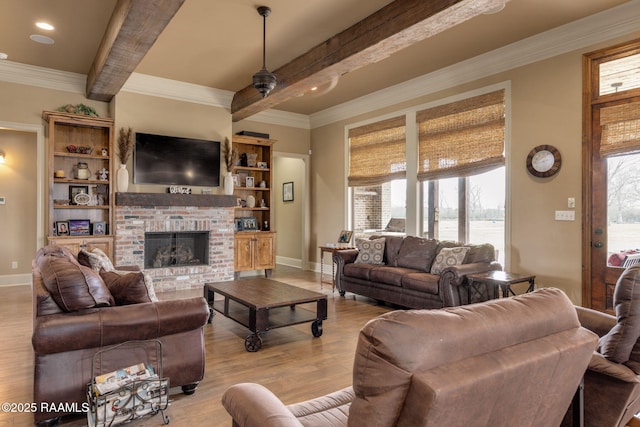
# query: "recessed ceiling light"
[[45, 26], [39, 38], [3, 55]]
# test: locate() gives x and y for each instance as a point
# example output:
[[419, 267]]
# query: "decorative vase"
[[122, 179], [251, 201], [228, 184]]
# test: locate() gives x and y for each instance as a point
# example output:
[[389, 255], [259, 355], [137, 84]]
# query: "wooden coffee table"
[[264, 304]]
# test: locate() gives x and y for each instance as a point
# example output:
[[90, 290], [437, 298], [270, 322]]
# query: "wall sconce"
[[1, 157]]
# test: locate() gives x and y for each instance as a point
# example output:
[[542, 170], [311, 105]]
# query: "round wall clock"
[[544, 161]]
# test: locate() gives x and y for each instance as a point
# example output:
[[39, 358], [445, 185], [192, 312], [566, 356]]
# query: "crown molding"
[[606, 25], [15, 72], [180, 91], [284, 118]]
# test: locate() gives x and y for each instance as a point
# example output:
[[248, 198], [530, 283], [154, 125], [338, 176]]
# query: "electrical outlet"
[[565, 216], [571, 202], [14, 264]]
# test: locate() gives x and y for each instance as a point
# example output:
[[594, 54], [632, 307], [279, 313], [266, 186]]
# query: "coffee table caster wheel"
[[253, 343], [316, 328]]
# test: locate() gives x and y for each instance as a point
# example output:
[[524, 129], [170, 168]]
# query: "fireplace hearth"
[[176, 249]]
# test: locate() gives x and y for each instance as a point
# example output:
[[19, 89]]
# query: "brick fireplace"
[[138, 214]]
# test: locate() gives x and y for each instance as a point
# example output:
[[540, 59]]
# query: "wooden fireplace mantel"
[[168, 199]]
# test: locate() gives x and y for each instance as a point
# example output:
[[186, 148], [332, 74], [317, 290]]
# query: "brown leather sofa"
[[75, 315], [413, 272], [508, 362], [612, 382]]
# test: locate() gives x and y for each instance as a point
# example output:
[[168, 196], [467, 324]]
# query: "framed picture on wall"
[[287, 192]]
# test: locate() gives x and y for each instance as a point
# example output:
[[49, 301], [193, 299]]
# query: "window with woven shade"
[[377, 152], [462, 138], [620, 129]]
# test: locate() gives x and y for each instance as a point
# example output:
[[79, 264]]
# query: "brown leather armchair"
[[509, 362], [612, 381], [76, 315]]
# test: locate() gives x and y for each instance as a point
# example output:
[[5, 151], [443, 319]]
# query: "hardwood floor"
[[292, 363]]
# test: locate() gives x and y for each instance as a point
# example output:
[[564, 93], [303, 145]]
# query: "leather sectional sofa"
[[79, 311], [414, 272]]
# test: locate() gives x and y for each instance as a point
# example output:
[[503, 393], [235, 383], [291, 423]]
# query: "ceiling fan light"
[[264, 81]]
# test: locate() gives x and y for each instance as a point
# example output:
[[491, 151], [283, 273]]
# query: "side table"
[[501, 280], [330, 250]]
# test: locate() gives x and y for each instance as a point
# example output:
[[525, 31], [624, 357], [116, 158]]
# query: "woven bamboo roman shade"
[[461, 138], [377, 152], [620, 129]]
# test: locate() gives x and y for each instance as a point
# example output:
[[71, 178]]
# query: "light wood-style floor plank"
[[292, 363]]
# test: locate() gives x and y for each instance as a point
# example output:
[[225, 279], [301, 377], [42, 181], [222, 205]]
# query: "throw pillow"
[[73, 286], [417, 253], [127, 288], [370, 251], [96, 259], [448, 257]]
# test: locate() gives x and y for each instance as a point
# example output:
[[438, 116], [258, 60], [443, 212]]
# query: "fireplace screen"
[[176, 249]]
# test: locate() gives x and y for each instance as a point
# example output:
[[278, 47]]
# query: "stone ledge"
[[168, 199]]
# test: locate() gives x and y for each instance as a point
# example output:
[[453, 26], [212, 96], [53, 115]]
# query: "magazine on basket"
[[113, 380]]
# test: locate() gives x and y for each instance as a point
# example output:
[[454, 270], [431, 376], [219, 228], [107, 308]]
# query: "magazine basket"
[[130, 401]]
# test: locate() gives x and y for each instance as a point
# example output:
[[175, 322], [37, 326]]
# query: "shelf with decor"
[[253, 177], [80, 180]]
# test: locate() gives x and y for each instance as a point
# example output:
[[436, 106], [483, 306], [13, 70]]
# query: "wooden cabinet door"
[[104, 244], [243, 259], [265, 257], [74, 245]]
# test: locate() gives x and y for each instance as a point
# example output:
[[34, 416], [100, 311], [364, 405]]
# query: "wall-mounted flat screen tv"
[[170, 160]]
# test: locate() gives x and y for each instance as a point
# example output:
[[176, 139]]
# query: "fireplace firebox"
[[176, 249]]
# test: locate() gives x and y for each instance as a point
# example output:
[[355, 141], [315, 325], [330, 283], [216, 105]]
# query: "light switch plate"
[[565, 215]]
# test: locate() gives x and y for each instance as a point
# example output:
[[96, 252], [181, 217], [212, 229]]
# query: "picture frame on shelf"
[[99, 228], [238, 224], [249, 183], [62, 228], [287, 192], [236, 180], [249, 223], [74, 190], [345, 236], [79, 227]]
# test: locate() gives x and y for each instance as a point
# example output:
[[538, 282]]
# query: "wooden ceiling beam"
[[133, 28], [392, 28]]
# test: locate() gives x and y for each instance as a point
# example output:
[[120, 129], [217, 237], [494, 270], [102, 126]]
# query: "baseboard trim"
[[15, 280], [290, 262]]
